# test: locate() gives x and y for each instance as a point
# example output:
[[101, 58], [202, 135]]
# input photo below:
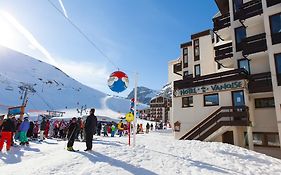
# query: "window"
[[240, 34], [197, 70], [278, 67], [185, 57], [196, 50], [275, 27], [185, 74], [264, 139], [211, 100], [237, 4], [264, 102], [244, 63], [187, 102]]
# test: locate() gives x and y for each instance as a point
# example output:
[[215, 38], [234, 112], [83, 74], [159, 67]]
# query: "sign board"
[[15, 110], [210, 88], [129, 117]]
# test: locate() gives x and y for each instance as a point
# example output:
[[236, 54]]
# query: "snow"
[[55, 90], [154, 153]]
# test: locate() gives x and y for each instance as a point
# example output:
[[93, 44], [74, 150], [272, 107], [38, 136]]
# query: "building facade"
[[159, 109], [230, 86]]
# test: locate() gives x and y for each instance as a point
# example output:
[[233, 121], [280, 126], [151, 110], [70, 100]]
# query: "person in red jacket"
[[46, 132], [7, 128]]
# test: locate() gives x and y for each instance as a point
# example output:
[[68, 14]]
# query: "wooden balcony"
[[254, 44], [223, 51], [221, 22], [250, 9], [270, 3], [177, 68], [260, 83], [232, 75]]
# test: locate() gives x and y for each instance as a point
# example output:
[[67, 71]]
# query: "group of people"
[[24, 130], [14, 129]]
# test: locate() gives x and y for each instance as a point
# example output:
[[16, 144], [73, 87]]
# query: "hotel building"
[[229, 88]]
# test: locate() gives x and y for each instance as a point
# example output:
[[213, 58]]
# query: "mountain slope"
[[54, 90], [144, 94]]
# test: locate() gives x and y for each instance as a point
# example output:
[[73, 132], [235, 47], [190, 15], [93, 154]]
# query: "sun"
[[7, 34]]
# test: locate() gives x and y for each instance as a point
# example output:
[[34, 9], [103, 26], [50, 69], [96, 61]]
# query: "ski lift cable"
[[44, 101], [84, 35]]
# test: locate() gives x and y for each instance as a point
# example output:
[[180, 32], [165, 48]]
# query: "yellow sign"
[[129, 117]]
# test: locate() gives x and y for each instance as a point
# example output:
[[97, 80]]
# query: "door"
[[227, 137]]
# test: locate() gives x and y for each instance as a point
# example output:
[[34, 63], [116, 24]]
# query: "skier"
[[72, 133], [151, 126], [30, 130], [23, 131], [7, 128], [90, 129]]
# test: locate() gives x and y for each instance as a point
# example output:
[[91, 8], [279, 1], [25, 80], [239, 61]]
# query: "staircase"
[[224, 116]]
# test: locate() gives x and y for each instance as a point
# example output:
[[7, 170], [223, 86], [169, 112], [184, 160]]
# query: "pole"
[[135, 109], [129, 133]]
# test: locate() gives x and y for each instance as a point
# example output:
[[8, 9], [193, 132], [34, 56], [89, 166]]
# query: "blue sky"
[[137, 35]]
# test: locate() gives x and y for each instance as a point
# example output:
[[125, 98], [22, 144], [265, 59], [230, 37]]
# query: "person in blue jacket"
[[23, 130]]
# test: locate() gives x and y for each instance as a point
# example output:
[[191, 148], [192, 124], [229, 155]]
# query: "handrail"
[[225, 111]]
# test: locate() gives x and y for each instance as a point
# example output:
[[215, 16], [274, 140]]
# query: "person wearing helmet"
[[71, 134]]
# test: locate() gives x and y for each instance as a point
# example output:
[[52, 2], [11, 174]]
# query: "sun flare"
[[7, 34]]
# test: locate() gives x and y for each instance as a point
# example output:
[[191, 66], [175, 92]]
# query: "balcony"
[[254, 44], [260, 83], [223, 51], [270, 3], [177, 68], [232, 75], [250, 9], [221, 22]]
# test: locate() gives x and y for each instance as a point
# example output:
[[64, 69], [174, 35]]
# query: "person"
[[42, 128], [30, 130], [7, 128], [78, 128], [62, 129], [99, 128], [147, 128], [151, 127], [120, 127], [72, 133], [105, 128], [113, 128], [46, 131], [23, 131], [90, 129], [35, 130]]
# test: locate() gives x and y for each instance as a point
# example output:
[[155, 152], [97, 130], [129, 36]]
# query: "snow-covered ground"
[[155, 153]]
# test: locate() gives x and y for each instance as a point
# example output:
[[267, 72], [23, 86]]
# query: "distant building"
[[159, 109]]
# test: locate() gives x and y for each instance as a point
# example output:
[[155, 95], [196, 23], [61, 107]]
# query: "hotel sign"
[[210, 88]]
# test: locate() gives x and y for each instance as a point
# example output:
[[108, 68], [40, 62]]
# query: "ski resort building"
[[230, 85]]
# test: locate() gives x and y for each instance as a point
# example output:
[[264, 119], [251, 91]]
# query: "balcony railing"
[[221, 22], [272, 2], [232, 75], [254, 44], [260, 83], [223, 51], [177, 67], [250, 9]]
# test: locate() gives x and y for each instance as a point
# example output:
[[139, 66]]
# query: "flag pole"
[[135, 109]]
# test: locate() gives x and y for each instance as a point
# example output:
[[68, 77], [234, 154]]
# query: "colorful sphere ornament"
[[118, 81]]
